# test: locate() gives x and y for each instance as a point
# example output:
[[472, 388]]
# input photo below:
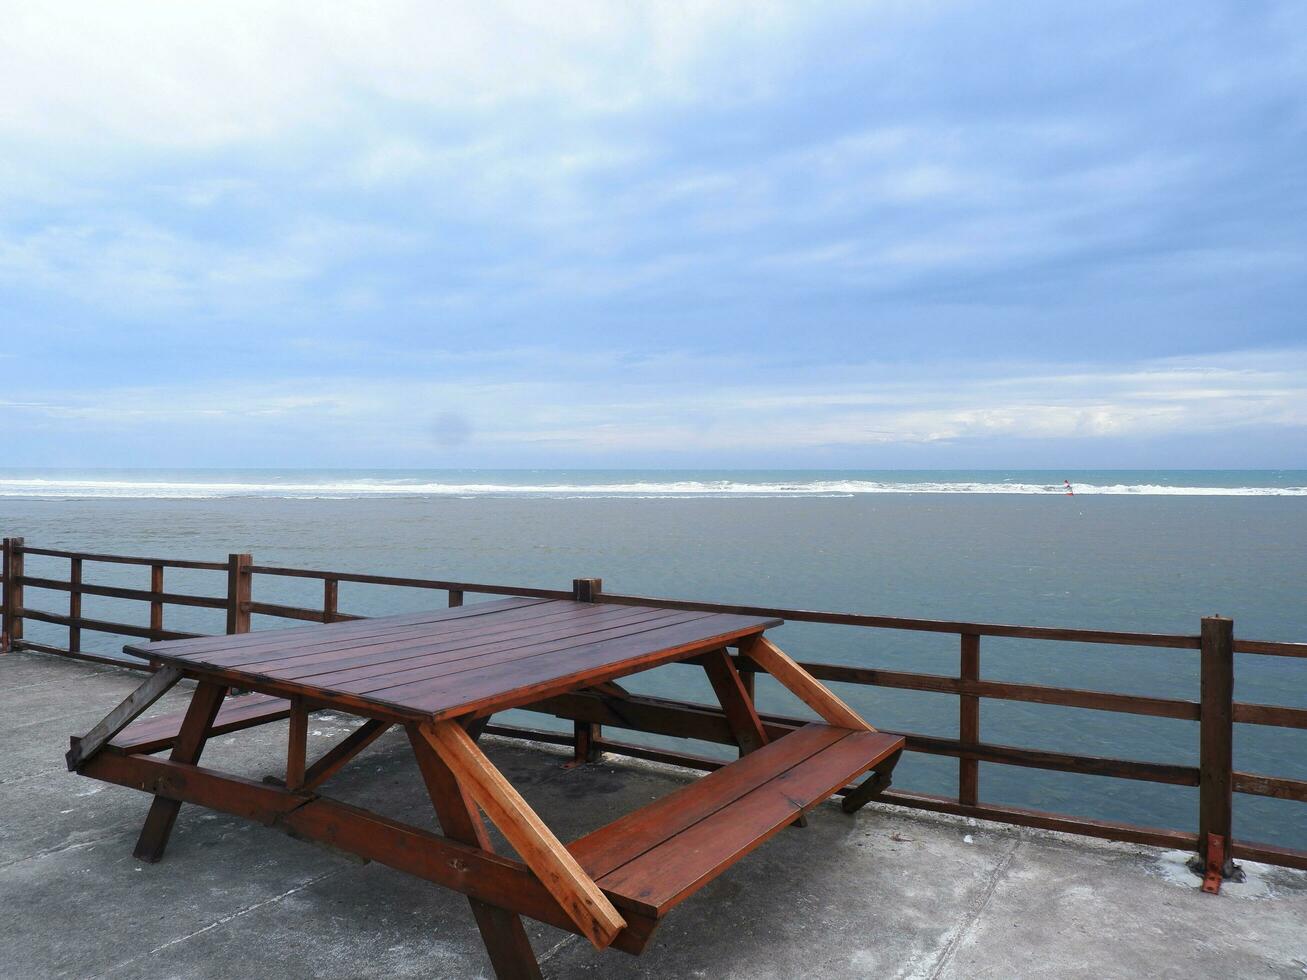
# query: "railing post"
[[969, 722], [1216, 746], [455, 598], [11, 627], [238, 593], [330, 599], [74, 604], [586, 735], [156, 605]]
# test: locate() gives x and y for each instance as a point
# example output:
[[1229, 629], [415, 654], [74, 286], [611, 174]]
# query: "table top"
[[471, 660]]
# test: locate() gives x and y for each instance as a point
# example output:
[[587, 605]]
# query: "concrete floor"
[[884, 894]]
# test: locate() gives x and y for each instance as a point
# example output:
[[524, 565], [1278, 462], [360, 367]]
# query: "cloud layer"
[[579, 233]]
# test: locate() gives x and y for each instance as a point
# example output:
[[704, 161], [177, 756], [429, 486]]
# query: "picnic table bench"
[[440, 675]]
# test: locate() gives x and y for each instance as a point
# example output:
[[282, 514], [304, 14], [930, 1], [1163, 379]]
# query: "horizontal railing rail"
[[1215, 712]]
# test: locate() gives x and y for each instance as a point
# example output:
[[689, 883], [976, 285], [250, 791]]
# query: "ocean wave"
[[379, 488]]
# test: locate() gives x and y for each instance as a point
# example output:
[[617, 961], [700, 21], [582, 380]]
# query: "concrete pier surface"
[[885, 893]]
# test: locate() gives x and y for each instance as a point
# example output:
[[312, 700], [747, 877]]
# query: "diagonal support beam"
[[736, 703], [155, 687], [587, 906], [335, 758], [803, 685]]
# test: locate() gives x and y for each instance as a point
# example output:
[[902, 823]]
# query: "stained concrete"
[[883, 894]]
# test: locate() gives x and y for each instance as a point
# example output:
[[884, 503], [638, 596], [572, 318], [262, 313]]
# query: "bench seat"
[[656, 857], [146, 735]]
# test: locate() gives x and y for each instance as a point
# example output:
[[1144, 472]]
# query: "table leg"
[[502, 931], [190, 743], [738, 706]]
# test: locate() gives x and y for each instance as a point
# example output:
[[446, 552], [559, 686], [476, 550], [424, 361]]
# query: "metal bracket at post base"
[[1216, 866]]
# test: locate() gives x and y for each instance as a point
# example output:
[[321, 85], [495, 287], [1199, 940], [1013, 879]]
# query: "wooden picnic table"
[[441, 675]]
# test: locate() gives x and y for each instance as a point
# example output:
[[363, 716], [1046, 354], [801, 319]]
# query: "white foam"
[[361, 488]]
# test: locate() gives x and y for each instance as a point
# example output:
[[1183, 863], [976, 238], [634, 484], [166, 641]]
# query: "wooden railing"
[[1216, 711]]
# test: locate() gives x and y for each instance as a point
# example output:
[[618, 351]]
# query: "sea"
[[1108, 549]]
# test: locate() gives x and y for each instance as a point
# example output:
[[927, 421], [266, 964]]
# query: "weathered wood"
[[455, 598], [881, 778], [925, 625], [660, 855], [440, 585], [1000, 690], [127, 559], [1276, 786], [969, 721], [736, 703], [587, 589], [575, 891], [340, 754], [330, 599], [505, 938], [100, 626], [586, 736], [205, 703], [155, 686], [11, 621], [156, 605], [74, 604], [1216, 736], [149, 735], [238, 593], [1270, 714], [498, 880], [802, 684], [297, 744], [116, 592]]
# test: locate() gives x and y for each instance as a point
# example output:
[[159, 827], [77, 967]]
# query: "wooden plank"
[[127, 559], [426, 661], [1275, 786], [415, 583], [575, 891], [369, 639], [520, 682], [803, 685], [97, 625], [1270, 714], [668, 873], [931, 625], [736, 703], [1000, 690], [155, 686], [239, 584], [114, 592], [505, 938], [625, 839], [159, 822], [295, 637], [437, 647], [340, 754], [149, 735]]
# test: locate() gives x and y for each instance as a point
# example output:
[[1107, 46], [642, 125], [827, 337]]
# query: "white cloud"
[[656, 410]]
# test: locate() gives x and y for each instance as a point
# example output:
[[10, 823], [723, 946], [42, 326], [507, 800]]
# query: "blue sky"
[[705, 234]]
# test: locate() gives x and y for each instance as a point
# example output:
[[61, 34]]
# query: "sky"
[[871, 235]]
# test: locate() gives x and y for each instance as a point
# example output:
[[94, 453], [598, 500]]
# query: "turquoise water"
[[1156, 553]]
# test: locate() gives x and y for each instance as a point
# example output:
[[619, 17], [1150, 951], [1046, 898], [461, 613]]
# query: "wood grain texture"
[[155, 687], [588, 907], [803, 685]]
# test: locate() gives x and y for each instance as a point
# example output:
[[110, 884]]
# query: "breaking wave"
[[83, 488]]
